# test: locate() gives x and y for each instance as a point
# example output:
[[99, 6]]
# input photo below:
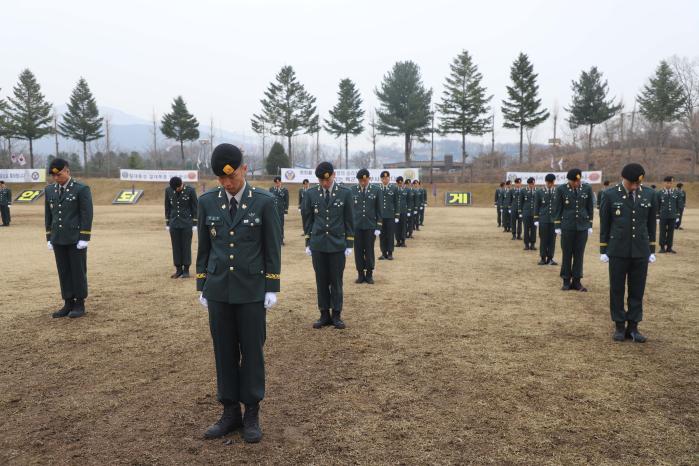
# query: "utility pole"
[[107, 129], [55, 130], [432, 150]]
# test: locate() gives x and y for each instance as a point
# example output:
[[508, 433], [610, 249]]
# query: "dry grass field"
[[463, 352]]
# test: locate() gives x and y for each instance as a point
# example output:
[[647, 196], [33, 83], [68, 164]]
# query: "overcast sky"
[[221, 55]]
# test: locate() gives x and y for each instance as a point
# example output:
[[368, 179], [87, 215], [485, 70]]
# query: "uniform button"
[[327, 233], [231, 268], [232, 244], [326, 225], [232, 233], [633, 236], [231, 256], [633, 228]]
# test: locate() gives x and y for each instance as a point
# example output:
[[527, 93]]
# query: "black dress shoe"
[[633, 334], [78, 309], [251, 424], [369, 278], [185, 272], [231, 419], [566, 285], [360, 278], [65, 310], [382, 258], [576, 285], [662, 251], [619, 331], [337, 321], [526, 248], [178, 273], [390, 257], [553, 262], [324, 320], [672, 251], [541, 262]]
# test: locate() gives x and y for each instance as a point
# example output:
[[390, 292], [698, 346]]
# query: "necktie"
[[61, 190], [234, 207], [327, 197]]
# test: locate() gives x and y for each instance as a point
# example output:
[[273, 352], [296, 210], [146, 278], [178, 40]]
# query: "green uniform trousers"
[[388, 233], [71, 263], [623, 270], [181, 239], [529, 235], [329, 268], [5, 214], [573, 246], [547, 240], [666, 232], [238, 332], [364, 250]]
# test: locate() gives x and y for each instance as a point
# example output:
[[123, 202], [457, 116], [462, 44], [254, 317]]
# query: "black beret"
[[606, 182], [633, 172], [324, 170], [574, 174], [277, 178], [305, 180], [679, 185], [518, 180], [363, 173], [407, 180], [669, 179], [508, 182], [57, 165], [530, 180], [653, 186], [385, 173], [175, 182], [550, 177], [399, 179], [415, 181], [502, 183], [226, 159]]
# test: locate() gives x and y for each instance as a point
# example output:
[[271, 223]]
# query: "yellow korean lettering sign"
[[457, 198]]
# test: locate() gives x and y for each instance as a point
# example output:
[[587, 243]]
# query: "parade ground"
[[464, 351]]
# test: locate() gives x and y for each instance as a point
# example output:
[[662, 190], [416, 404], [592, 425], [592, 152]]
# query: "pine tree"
[[276, 159], [404, 104], [29, 113], [661, 100], [464, 108], [590, 104], [347, 116], [287, 107], [6, 130], [523, 109], [179, 124], [82, 121]]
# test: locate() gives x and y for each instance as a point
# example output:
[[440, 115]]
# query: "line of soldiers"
[[628, 213], [338, 221]]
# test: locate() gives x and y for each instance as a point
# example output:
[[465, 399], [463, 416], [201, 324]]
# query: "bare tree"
[[373, 136], [687, 74], [108, 142]]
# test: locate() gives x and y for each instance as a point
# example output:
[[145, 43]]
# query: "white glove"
[[397, 220], [270, 300], [509, 211], [81, 244], [589, 231], [557, 231], [49, 245], [604, 258], [377, 232], [536, 224], [651, 258], [167, 228], [408, 214], [203, 301], [348, 251], [520, 215], [194, 229], [308, 251]]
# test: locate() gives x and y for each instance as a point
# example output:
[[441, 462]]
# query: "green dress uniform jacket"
[[389, 201], [181, 207], [543, 213], [68, 216], [574, 208], [329, 226], [528, 200], [668, 202], [238, 259], [627, 236], [367, 207]]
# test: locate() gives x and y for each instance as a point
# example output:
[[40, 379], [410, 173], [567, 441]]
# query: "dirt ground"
[[464, 351]]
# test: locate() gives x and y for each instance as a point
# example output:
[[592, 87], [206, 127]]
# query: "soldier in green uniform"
[[367, 225], [498, 195], [514, 208], [302, 194], [68, 221], [600, 193], [282, 196], [423, 206], [410, 207], [543, 218], [181, 222], [683, 201], [668, 202], [5, 203], [329, 227], [238, 268], [505, 207], [389, 215], [417, 205], [528, 200], [402, 213], [627, 243], [574, 210]]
